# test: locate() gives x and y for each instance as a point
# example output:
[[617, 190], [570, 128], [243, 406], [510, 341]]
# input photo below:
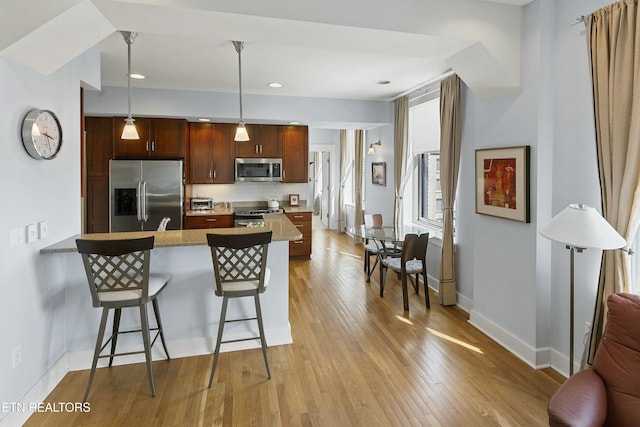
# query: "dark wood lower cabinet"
[[302, 247], [208, 221]]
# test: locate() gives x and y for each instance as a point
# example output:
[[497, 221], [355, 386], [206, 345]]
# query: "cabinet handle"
[[284, 174], [153, 146], [260, 148], [210, 174], [214, 174], [147, 146], [298, 216], [211, 219], [256, 149], [298, 242]]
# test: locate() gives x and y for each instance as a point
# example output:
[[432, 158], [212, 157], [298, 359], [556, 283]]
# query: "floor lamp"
[[580, 227]]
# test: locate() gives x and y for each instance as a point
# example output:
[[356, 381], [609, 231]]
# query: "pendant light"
[[241, 131], [129, 131]]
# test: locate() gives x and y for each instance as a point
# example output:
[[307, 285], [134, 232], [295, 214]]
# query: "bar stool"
[[240, 270], [119, 277]]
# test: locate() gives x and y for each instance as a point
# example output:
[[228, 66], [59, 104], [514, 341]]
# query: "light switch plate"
[[16, 237], [43, 229], [32, 234]]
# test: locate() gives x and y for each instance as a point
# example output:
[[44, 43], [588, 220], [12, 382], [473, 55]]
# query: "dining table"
[[388, 239]]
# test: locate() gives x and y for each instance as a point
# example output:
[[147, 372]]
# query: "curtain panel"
[[450, 143], [357, 170], [613, 44], [400, 154], [344, 164]]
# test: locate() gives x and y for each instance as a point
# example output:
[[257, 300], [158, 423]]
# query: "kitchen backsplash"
[[248, 191]]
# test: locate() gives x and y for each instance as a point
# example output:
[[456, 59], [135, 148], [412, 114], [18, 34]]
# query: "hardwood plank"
[[357, 359]]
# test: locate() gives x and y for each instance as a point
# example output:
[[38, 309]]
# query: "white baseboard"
[[536, 358], [79, 360]]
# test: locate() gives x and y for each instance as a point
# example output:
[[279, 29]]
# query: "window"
[[424, 195], [430, 200]]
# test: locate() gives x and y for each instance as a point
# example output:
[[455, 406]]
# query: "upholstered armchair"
[[608, 394]]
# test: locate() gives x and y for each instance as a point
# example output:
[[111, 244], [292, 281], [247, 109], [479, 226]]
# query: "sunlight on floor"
[[455, 341], [404, 320]]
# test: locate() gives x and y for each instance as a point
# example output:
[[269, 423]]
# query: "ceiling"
[[308, 48]]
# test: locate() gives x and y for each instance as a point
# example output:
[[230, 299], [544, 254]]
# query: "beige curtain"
[[400, 153], [613, 42], [344, 165], [450, 141], [357, 170]]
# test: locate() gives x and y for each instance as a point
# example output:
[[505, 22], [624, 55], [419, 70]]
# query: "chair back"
[[415, 247], [373, 220], [116, 265], [239, 258]]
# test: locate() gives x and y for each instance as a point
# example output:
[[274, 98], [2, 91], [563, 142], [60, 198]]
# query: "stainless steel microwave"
[[248, 169]]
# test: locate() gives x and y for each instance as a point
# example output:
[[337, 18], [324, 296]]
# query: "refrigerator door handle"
[[139, 201], [145, 217]]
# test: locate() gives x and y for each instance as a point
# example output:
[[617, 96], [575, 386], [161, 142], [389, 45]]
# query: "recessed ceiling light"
[[204, 120], [137, 76], [275, 84], [294, 123], [383, 82]]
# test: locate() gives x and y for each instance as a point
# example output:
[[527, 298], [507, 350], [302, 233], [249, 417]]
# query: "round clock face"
[[41, 134]]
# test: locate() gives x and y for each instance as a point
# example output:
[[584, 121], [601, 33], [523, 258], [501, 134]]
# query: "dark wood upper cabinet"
[[211, 158], [295, 153], [264, 142], [159, 138]]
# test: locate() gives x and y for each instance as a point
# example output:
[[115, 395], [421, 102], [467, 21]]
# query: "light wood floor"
[[357, 359]]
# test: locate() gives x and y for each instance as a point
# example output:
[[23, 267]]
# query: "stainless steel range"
[[252, 216]]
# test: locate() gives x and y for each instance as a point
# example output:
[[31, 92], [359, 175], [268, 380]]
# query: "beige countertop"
[[283, 230], [209, 212], [230, 211]]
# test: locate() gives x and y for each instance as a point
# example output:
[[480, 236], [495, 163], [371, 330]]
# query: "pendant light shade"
[[241, 131], [129, 131]]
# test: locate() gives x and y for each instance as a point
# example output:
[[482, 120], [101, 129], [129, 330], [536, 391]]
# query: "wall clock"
[[42, 134]]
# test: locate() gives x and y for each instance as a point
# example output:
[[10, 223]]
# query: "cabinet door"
[[209, 221], [130, 148], [99, 143], [268, 140], [201, 153], [247, 148], [295, 154], [167, 138], [223, 153]]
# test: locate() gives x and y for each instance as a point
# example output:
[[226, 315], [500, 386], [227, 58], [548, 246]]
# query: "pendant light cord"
[[129, 37], [239, 46]]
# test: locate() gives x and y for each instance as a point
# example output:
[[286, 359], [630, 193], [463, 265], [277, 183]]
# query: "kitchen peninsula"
[[188, 307]]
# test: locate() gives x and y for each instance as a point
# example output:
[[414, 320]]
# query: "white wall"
[[518, 281], [35, 191]]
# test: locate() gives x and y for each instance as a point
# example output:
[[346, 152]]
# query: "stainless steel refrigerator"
[[143, 192]]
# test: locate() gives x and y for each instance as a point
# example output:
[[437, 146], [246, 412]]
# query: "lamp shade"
[[130, 131], [582, 226], [241, 133]]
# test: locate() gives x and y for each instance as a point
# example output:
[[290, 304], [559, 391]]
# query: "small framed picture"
[[379, 173], [294, 199]]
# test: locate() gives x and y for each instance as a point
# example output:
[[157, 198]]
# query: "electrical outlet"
[[16, 237], [16, 357], [43, 229], [32, 234]]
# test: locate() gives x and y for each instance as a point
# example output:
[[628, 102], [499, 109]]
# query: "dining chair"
[[371, 249], [412, 261], [119, 276], [240, 270]]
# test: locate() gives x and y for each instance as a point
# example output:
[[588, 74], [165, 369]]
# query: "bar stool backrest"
[[116, 265], [239, 258]]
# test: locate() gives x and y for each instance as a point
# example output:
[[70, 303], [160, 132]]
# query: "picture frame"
[[502, 182], [294, 199], [379, 173]]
